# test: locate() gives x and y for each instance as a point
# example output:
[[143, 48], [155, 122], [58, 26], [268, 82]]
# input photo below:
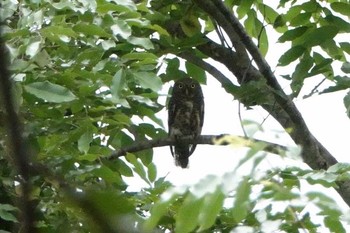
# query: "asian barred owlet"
[[185, 117]]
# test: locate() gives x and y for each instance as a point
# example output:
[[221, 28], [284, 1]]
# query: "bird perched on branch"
[[185, 117]]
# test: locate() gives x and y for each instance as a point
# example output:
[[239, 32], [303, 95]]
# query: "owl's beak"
[[186, 91]]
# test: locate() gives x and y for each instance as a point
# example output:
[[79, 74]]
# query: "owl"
[[185, 117]]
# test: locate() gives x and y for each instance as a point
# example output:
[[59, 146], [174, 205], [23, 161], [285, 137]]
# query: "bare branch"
[[225, 82], [219, 140]]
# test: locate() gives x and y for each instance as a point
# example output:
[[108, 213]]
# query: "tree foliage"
[[84, 71]]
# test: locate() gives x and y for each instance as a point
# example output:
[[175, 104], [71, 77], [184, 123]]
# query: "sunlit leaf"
[[85, 140], [121, 28], [341, 7], [243, 8], [50, 92], [212, 205], [152, 172], [148, 80], [33, 48], [186, 219], [240, 208], [90, 29], [139, 41]]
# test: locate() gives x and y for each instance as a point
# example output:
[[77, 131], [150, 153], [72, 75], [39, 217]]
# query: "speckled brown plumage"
[[185, 117]]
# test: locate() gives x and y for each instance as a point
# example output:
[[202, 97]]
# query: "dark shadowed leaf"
[[291, 55], [345, 46], [292, 34], [346, 67], [319, 35], [346, 101], [196, 72]]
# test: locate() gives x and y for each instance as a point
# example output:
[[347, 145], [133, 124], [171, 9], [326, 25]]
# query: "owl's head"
[[187, 88]]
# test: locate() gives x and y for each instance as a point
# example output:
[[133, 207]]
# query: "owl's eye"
[[193, 85], [180, 86]]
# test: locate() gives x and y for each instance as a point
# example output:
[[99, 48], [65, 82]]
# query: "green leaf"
[[240, 208], [333, 224], [85, 140], [341, 7], [291, 55], [106, 7], [269, 14], [280, 23], [190, 24], [139, 41], [319, 35], [300, 19], [339, 168], [346, 102], [50, 92], [301, 72], [337, 22], [346, 67], [56, 31], [5, 212], [196, 72], [332, 49], [345, 46], [152, 172], [140, 56], [292, 34], [117, 88], [121, 28], [321, 177], [123, 168], [108, 203], [161, 207], [186, 218], [90, 30], [108, 175], [33, 48], [149, 80], [138, 167], [263, 42], [212, 205], [243, 8]]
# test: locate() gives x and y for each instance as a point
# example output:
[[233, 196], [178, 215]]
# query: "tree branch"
[[225, 82], [17, 146], [219, 140], [314, 153]]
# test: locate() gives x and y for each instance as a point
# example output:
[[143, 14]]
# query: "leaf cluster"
[[87, 79]]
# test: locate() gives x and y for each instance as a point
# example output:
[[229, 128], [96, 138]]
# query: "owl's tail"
[[182, 162], [181, 155]]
